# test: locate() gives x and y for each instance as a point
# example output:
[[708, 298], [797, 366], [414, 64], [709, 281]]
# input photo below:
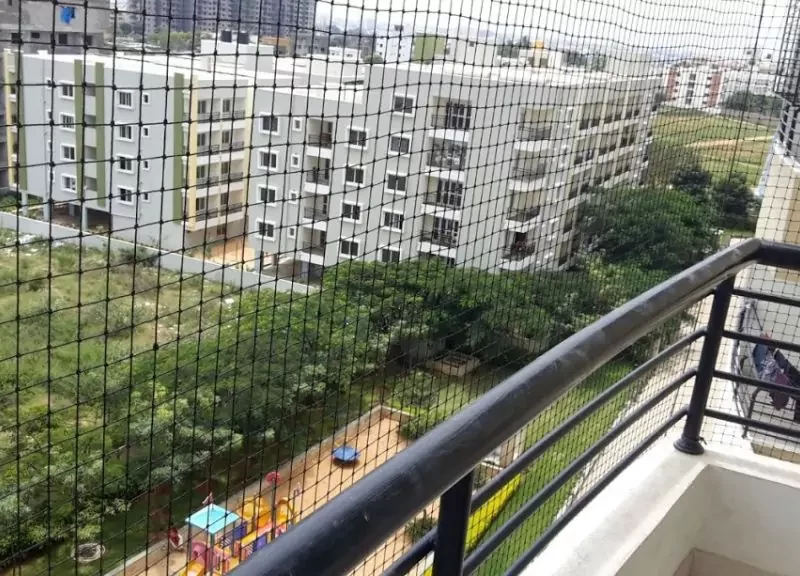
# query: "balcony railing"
[[318, 177], [446, 239], [528, 174], [534, 133], [449, 201], [233, 208], [442, 462], [446, 162], [450, 122], [313, 248], [220, 178], [315, 214], [524, 215], [519, 251], [222, 147], [321, 140], [218, 115]]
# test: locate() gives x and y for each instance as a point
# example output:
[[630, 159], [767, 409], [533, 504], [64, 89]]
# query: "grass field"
[[723, 144]]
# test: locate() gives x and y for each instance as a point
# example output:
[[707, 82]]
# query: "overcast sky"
[[718, 28]]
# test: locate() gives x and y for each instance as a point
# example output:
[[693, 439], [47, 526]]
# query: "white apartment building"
[[395, 46], [478, 166], [163, 164], [694, 87]]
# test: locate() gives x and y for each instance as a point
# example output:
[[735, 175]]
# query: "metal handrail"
[[341, 533]]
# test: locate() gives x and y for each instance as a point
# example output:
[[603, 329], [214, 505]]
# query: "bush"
[[420, 526], [420, 425]]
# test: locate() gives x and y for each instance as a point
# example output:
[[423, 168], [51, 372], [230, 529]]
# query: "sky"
[[713, 28]]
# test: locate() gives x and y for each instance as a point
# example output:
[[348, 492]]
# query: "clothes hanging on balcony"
[[772, 366]]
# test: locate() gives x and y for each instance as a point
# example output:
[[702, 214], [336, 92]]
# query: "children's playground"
[[218, 537]]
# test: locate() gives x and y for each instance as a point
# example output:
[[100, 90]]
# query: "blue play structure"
[[345, 455]]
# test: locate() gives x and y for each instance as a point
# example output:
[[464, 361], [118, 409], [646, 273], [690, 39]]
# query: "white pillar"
[[24, 196], [84, 218]]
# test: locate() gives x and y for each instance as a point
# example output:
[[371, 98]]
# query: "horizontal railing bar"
[[766, 297], [772, 343], [425, 545], [763, 384], [751, 423], [374, 508], [558, 524], [779, 255], [529, 456], [488, 545]]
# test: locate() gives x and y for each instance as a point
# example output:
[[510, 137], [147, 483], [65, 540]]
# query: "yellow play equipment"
[[254, 511]]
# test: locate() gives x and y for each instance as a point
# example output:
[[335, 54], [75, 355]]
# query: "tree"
[[746, 101], [734, 203], [666, 159], [650, 228], [373, 59], [178, 41], [693, 180]]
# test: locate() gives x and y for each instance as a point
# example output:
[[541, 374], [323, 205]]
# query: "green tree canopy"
[[734, 202], [651, 228], [758, 103], [693, 180]]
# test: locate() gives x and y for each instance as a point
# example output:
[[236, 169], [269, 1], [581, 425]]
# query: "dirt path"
[[732, 142]]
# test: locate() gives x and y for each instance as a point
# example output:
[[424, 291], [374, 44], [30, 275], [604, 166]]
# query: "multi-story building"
[[392, 162], [32, 26], [695, 87], [395, 45], [163, 167], [416, 164]]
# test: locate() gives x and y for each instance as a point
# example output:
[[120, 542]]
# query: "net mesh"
[[251, 250]]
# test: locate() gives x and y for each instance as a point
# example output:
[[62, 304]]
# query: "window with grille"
[[270, 124], [357, 138], [124, 163], [396, 183], [67, 152], [349, 248], [125, 99], [351, 211], [125, 132], [67, 91], [125, 195], [393, 220], [400, 144], [354, 175], [404, 104], [390, 255], [268, 160], [267, 194]]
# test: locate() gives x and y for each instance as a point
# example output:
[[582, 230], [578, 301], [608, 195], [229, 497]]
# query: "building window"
[[202, 107], [270, 124], [146, 164], [266, 229], [393, 220], [227, 105], [69, 183], [67, 91], [125, 195], [297, 124], [67, 122], [291, 232], [354, 175], [400, 144], [88, 89], [403, 105], [125, 132], [267, 194], [396, 183], [226, 136], [268, 160], [357, 138], [349, 248], [145, 196], [294, 196], [390, 255], [351, 211], [125, 99], [295, 161], [125, 164], [145, 98], [146, 131], [67, 152]]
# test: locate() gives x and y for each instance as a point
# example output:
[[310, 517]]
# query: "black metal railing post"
[[690, 440], [451, 540]]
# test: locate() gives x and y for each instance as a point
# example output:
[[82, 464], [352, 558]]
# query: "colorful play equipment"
[[220, 539], [345, 455]]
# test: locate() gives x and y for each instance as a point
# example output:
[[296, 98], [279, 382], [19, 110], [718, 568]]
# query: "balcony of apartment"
[[527, 175], [317, 178], [218, 114], [443, 198], [446, 159], [312, 250], [661, 476], [319, 138], [438, 236], [315, 213], [214, 148], [450, 120], [533, 137], [523, 212], [222, 174]]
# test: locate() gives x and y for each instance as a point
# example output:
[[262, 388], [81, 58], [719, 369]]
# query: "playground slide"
[[284, 513], [194, 568]]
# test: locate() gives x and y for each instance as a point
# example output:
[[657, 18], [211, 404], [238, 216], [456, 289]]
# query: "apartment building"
[[694, 87], [163, 165], [395, 45], [478, 166]]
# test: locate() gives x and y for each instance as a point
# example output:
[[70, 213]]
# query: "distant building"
[[338, 54], [695, 87], [395, 46]]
